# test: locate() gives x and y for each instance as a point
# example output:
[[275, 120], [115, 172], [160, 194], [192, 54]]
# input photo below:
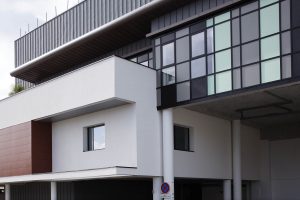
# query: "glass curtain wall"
[[241, 48]]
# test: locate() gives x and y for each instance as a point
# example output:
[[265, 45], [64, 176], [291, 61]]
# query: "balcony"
[[105, 84]]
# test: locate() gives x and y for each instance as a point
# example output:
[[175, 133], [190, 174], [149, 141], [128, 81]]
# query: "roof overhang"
[[111, 36]]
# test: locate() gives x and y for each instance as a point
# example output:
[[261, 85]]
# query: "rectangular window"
[[95, 138], [168, 54], [198, 44], [181, 138], [168, 76], [269, 20], [222, 36]]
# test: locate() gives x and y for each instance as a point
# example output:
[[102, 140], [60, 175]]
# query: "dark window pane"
[[182, 33], [181, 138], [183, 91], [296, 39], [236, 31], [286, 42], [183, 72], [198, 27], [168, 54], [182, 49], [199, 87], [158, 96], [210, 64], [198, 44], [143, 58], [198, 67], [251, 75], [158, 78], [296, 13], [285, 15], [250, 53], [168, 38], [237, 79], [250, 27], [235, 13], [157, 58], [249, 7], [236, 56], [168, 95], [210, 40]]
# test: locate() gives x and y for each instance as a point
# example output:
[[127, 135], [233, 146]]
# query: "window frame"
[[89, 138], [189, 138]]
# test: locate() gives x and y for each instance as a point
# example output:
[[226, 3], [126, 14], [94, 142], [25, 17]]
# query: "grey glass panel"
[[209, 22], [222, 36], [237, 79], [249, 7], [210, 40], [198, 67], [223, 60], [223, 82], [198, 44], [183, 91], [250, 27], [158, 92], [250, 53], [168, 54], [168, 76], [183, 72], [250, 75], [235, 13], [236, 57], [182, 49], [222, 18], [270, 70], [211, 85], [286, 42], [168, 38], [269, 20], [270, 47], [157, 41], [210, 64], [266, 2], [236, 31], [158, 78], [286, 67], [182, 33], [285, 15], [157, 57]]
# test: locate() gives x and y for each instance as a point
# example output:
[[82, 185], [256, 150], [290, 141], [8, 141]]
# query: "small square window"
[[168, 76], [168, 54], [198, 67], [94, 138], [181, 138]]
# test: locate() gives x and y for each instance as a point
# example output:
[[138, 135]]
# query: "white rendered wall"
[[67, 141], [212, 146]]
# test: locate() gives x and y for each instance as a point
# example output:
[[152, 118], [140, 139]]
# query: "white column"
[[7, 191], [157, 181], [168, 149], [237, 175], [227, 189], [53, 191]]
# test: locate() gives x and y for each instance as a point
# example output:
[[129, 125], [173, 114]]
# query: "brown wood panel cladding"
[[41, 147], [26, 149]]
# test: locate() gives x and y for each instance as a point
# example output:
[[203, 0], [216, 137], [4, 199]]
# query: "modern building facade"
[[122, 96]]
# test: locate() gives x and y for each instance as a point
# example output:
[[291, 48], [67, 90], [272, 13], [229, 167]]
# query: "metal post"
[[53, 191], [236, 140], [168, 149], [157, 181], [7, 191], [227, 189]]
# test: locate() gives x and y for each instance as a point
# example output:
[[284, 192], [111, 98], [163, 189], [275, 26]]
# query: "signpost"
[[165, 191]]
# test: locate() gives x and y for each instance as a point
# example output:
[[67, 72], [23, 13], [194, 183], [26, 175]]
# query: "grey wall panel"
[[193, 8], [75, 22]]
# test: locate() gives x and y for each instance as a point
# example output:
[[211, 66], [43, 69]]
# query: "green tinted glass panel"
[[222, 36], [270, 70], [269, 20], [222, 18], [223, 60], [211, 85], [266, 2], [270, 47], [223, 82], [209, 22]]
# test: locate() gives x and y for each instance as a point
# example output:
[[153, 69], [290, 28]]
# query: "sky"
[[15, 15]]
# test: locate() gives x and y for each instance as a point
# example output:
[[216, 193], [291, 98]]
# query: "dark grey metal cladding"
[[73, 23], [193, 8]]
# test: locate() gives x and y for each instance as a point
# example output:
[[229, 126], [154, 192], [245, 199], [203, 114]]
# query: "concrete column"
[[7, 191], [157, 181], [227, 189], [53, 191], [168, 149], [237, 175]]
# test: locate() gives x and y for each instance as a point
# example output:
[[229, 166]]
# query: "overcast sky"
[[16, 15]]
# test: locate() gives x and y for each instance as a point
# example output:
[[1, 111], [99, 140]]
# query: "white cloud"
[[16, 15]]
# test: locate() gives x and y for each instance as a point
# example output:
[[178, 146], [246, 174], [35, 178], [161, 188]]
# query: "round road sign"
[[165, 188]]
